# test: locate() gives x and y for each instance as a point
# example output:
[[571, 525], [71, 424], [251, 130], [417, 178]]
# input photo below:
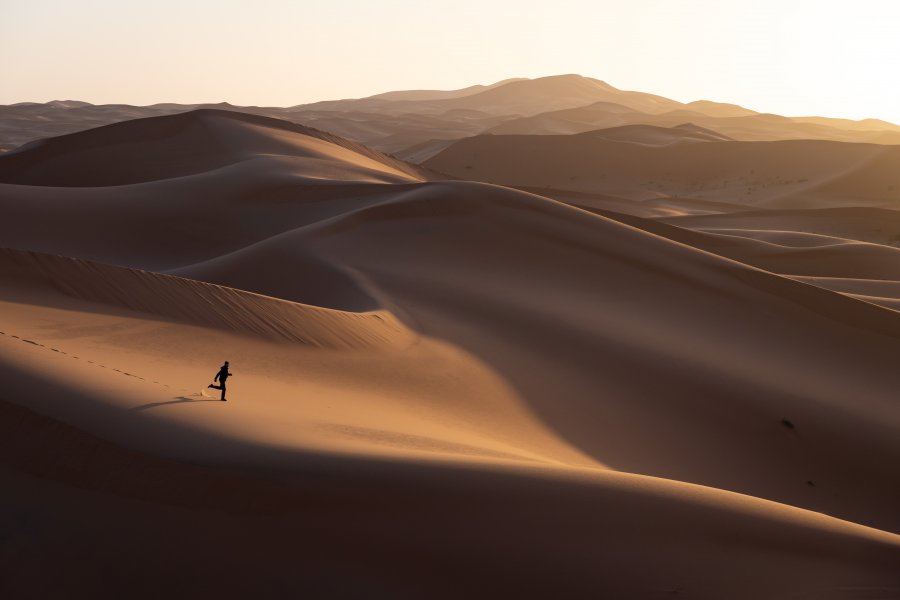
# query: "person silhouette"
[[221, 376]]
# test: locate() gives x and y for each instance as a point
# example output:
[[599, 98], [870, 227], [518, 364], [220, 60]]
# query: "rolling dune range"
[[576, 386], [417, 124]]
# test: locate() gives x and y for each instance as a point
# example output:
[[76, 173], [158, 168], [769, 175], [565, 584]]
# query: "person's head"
[[226, 363]]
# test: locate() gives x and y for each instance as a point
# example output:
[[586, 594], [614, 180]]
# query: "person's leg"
[[223, 391]]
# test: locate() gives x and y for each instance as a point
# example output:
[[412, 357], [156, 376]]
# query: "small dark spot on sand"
[[810, 484], [54, 349], [17, 337], [787, 424], [30, 342]]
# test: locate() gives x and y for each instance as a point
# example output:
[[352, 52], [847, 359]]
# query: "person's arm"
[[216, 378]]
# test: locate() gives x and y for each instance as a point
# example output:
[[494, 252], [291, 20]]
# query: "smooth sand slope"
[[442, 388]]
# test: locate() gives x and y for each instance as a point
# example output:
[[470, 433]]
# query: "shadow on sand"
[[178, 400]]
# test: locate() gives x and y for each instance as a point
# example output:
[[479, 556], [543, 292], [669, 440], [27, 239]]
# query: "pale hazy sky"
[[793, 57]]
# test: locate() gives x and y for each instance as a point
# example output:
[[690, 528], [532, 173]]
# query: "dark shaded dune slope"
[[785, 174], [876, 225]]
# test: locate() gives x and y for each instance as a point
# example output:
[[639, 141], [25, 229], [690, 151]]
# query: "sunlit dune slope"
[[137, 338], [539, 532]]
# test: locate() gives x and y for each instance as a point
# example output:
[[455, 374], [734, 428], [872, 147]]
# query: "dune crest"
[[200, 303]]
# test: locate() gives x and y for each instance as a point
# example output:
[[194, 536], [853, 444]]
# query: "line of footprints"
[[27, 341]]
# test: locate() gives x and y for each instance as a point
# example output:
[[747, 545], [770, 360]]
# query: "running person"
[[221, 376]]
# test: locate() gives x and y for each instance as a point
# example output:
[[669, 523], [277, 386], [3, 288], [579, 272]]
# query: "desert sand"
[[519, 379]]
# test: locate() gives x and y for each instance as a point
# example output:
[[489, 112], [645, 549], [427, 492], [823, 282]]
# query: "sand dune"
[[787, 252], [863, 265], [555, 93], [396, 133], [179, 145], [212, 202], [878, 226], [432, 378], [733, 121], [199, 303], [864, 287], [29, 121], [596, 115], [721, 109], [650, 135], [440, 94], [789, 174], [512, 98], [880, 292]]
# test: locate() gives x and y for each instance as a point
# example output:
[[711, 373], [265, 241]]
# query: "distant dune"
[[446, 387], [439, 94], [651, 135], [620, 162], [730, 120]]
